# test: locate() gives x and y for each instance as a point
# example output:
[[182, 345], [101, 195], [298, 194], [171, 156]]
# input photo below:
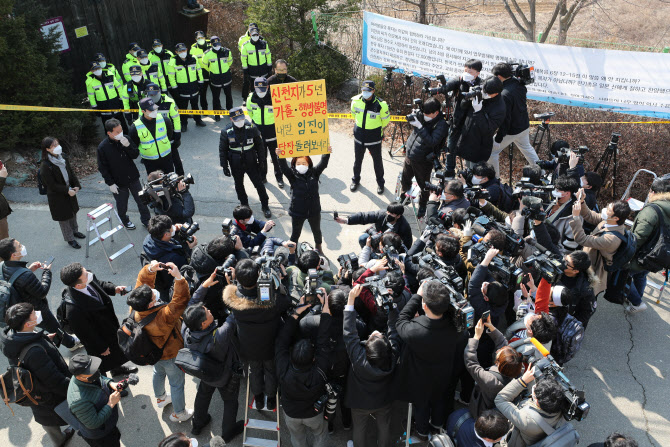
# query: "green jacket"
[[646, 223], [82, 399]]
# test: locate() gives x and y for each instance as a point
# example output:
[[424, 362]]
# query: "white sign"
[[616, 81], [56, 24]]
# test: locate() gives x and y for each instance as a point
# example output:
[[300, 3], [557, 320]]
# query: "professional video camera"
[[226, 268], [435, 227], [186, 232], [524, 188], [269, 279], [533, 208], [349, 263], [513, 242], [463, 314], [476, 249], [563, 154], [443, 271], [475, 92], [549, 265], [476, 193], [524, 73], [123, 384], [164, 187], [226, 226], [416, 114], [376, 236], [311, 290], [391, 254], [379, 288], [388, 77], [505, 272]]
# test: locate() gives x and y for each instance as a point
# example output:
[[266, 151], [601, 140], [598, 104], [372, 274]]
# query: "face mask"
[[182, 55], [153, 113], [158, 296], [97, 72], [390, 218], [467, 77], [158, 49], [24, 252], [94, 378], [155, 98], [604, 215], [302, 169], [89, 278], [558, 195], [261, 94], [427, 118], [201, 41], [367, 95], [194, 442], [144, 61], [57, 150], [254, 38], [216, 46], [476, 180], [136, 78], [250, 220], [118, 136], [103, 64], [38, 315], [281, 76], [239, 123]]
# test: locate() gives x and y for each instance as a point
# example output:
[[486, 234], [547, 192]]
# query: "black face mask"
[[390, 219], [281, 76]]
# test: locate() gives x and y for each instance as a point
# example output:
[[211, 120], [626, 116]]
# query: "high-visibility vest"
[[125, 67], [162, 58], [184, 74], [253, 56], [154, 73], [373, 120], [111, 70], [217, 63], [197, 53], [102, 90], [260, 116], [153, 147]]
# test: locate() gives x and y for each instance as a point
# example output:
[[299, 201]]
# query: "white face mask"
[[97, 72], [558, 195], [302, 169], [173, 231], [476, 180], [467, 77], [427, 118], [250, 220], [194, 442], [239, 123], [103, 64], [486, 96], [182, 55], [155, 98], [367, 95], [57, 150], [261, 94], [604, 215], [136, 78], [118, 136], [144, 60], [89, 278], [216, 46], [158, 296], [201, 41], [254, 38], [582, 183], [158, 50], [24, 252], [38, 314]]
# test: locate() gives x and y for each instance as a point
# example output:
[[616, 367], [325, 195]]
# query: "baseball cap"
[[180, 47], [99, 57], [253, 32], [237, 113], [135, 69], [148, 104], [133, 46], [157, 43], [368, 86], [84, 364], [261, 82], [141, 53]]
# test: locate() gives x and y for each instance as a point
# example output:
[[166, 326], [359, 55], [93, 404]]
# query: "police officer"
[[371, 114], [161, 56], [152, 133], [197, 51], [133, 91], [244, 38], [185, 76], [256, 60], [105, 92], [259, 105], [241, 150], [168, 108], [131, 59], [281, 75], [217, 61], [107, 67], [152, 70]]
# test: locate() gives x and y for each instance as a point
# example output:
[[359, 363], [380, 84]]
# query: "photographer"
[[392, 220], [488, 430], [251, 232], [370, 254], [546, 400], [453, 198], [516, 126], [485, 176], [301, 372], [559, 212], [423, 145], [182, 206], [298, 275], [257, 325], [617, 440]]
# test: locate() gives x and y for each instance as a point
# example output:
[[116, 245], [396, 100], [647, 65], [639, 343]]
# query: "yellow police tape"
[[348, 116]]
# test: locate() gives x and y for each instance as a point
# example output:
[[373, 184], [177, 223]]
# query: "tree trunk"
[[422, 12]]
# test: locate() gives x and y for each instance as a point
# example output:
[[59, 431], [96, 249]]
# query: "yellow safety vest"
[[153, 148], [259, 117]]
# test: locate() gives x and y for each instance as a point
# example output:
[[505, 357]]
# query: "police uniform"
[[130, 60], [241, 151], [108, 67], [260, 110], [197, 51], [185, 77], [244, 38], [168, 108], [161, 56], [256, 60], [133, 91], [371, 117], [105, 92], [217, 60], [152, 70], [152, 137]]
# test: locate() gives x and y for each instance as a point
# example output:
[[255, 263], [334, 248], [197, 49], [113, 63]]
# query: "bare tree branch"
[[521, 14], [516, 22], [410, 2], [547, 29]]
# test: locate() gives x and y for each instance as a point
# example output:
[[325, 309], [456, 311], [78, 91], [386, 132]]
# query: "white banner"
[[618, 81]]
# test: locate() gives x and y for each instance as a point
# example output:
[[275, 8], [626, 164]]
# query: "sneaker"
[[181, 417], [129, 225], [353, 187], [77, 346], [272, 403], [630, 309], [164, 400]]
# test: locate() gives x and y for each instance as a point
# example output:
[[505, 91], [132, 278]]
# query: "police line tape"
[[349, 116]]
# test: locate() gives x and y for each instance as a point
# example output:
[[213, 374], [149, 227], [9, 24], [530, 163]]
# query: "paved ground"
[[623, 364]]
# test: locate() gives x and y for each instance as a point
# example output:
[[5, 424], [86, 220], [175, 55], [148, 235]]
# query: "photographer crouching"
[[430, 131], [168, 194]]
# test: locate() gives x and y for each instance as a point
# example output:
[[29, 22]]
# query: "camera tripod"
[[542, 129], [404, 99], [603, 165]]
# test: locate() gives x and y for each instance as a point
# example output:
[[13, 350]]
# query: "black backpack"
[[624, 254], [618, 286], [40, 184], [61, 311], [8, 294], [655, 254], [136, 343]]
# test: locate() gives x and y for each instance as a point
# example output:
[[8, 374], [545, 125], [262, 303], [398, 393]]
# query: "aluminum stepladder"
[[410, 197], [260, 424], [98, 217]]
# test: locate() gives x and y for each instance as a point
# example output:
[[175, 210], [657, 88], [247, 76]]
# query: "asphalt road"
[[623, 364]]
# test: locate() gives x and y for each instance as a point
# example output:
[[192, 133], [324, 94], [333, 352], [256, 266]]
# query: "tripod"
[[542, 129], [603, 165], [405, 98]]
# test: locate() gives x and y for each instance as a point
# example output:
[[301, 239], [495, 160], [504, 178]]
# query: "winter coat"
[[301, 387], [427, 356], [274, 79], [115, 162], [251, 235], [461, 105], [476, 139], [88, 403], [646, 225], [309, 328], [257, 324], [494, 189], [581, 303], [379, 219], [305, 199], [165, 329], [165, 251], [561, 220], [476, 297], [27, 285], [61, 205], [47, 367], [433, 207], [204, 265], [181, 210], [427, 140], [5, 209], [516, 118], [95, 322]]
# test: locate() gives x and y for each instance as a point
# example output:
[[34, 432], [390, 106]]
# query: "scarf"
[[60, 162]]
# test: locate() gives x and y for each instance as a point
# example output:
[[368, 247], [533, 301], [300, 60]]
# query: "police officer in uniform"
[[244, 38], [371, 114], [133, 91], [197, 51], [256, 60], [152, 133], [131, 59], [108, 67], [259, 105], [152, 71], [161, 56], [217, 60], [168, 108], [241, 151], [185, 78], [105, 92]]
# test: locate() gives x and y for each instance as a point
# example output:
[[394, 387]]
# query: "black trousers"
[[112, 439], [271, 146], [183, 104], [245, 88], [216, 96], [241, 164], [50, 323], [362, 422], [203, 94], [454, 135], [263, 377], [228, 393], [421, 171], [119, 116], [376, 153], [122, 202], [165, 164], [314, 224], [176, 159], [431, 413]]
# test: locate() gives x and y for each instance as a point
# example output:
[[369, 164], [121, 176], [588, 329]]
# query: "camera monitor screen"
[[265, 293]]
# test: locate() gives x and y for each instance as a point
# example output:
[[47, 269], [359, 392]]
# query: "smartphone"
[[486, 315], [126, 290], [265, 293], [335, 214], [163, 266], [51, 258], [58, 339]]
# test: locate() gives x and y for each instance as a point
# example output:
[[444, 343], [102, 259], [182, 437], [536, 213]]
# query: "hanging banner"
[[56, 25], [617, 81], [301, 118]]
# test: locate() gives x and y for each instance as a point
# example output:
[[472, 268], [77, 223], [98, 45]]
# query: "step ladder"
[[264, 425], [95, 219]]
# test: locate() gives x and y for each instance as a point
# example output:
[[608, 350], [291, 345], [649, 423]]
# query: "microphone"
[[539, 347], [217, 441]]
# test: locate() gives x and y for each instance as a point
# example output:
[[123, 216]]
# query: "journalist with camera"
[[515, 128], [422, 147], [308, 275], [251, 231], [391, 220], [485, 177], [452, 198], [168, 194]]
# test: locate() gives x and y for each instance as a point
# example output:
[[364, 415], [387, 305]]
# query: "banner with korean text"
[[618, 81], [301, 118]]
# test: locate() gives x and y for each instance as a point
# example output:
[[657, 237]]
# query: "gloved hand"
[[226, 172], [114, 189], [128, 116], [416, 123], [124, 141], [425, 237], [467, 229], [477, 104], [177, 137]]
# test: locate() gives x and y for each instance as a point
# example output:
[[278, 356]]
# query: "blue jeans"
[[639, 283], [176, 379]]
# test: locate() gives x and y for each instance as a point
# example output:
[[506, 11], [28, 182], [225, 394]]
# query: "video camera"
[[311, 290], [269, 278], [476, 193], [377, 235], [349, 263], [524, 188], [462, 313], [524, 73], [226, 267], [391, 254], [441, 268], [549, 265], [388, 77], [563, 154], [505, 272], [132, 379], [380, 289], [416, 114], [513, 242], [186, 232], [533, 208], [226, 226], [164, 187]]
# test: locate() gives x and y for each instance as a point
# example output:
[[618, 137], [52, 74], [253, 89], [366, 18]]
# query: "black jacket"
[[305, 199], [188, 88], [181, 210], [427, 140], [30, 289], [251, 158], [5, 209], [115, 162], [369, 387], [257, 324], [378, 218], [274, 79], [581, 303], [461, 105], [47, 367], [516, 119], [494, 189], [301, 387], [476, 139], [309, 328], [61, 205], [427, 357], [476, 297], [204, 265]]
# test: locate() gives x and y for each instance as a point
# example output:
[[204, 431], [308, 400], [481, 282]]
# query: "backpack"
[[40, 184], [564, 435], [61, 312], [17, 383], [199, 364], [136, 343], [655, 256], [505, 201], [625, 253], [568, 339], [618, 287], [8, 294]]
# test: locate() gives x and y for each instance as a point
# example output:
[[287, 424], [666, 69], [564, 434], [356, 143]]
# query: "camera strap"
[[539, 420]]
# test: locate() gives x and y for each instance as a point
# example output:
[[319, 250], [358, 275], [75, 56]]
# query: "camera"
[[163, 188], [349, 263], [379, 288], [311, 290], [441, 268], [226, 226], [269, 278], [505, 272], [466, 173], [416, 114], [389, 72], [391, 255], [476, 193], [563, 154], [513, 243], [426, 84], [462, 313], [526, 189], [132, 379], [328, 400], [524, 73], [226, 267], [377, 235], [533, 208], [547, 264], [475, 92], [435, 227], [186, 232], [477, 250]]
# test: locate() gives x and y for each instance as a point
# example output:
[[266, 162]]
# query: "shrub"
[[320, 62]]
